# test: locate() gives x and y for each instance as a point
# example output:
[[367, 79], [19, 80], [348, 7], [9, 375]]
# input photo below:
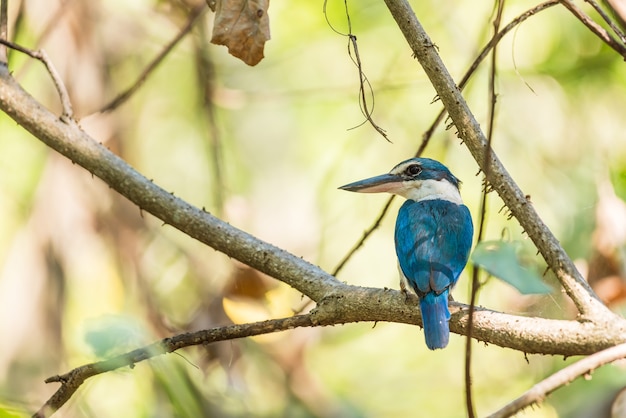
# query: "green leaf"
[[499, 258], [113, 334]]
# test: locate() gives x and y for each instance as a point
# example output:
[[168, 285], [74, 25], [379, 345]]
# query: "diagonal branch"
[[364, 237], [68, 139], [598, 30], [541, 390], [614, 27], [71, 381], [68, 112], [126, 94], [470, 132], [481, 56]]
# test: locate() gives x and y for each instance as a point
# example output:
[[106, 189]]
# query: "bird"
[[433, 237]]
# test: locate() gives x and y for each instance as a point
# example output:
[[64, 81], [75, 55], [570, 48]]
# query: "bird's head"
[[416, 179]]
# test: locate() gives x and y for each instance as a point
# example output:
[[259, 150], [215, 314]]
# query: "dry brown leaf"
[[243, 26]]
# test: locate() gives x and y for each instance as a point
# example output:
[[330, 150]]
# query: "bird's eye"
[[413, 170]]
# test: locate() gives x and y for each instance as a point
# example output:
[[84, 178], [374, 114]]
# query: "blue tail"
[[435, 316]]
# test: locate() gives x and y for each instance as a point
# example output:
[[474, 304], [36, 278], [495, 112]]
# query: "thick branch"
[[469, 130], [358, 304]]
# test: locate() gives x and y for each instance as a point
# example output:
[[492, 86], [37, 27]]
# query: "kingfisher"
[[433, 236]]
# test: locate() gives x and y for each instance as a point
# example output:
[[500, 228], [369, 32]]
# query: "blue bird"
[[433, 236]]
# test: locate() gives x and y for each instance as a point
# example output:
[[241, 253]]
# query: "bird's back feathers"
[[433, 241]]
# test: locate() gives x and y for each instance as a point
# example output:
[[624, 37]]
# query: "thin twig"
[[564, 376], [363, 80], [618, 10], [51, 25], [366, 235], [207, 79], [474, 66], [608, 20], [354, 248], [483, 208], [68, 112], [4, 29], [595, 28], [125, 95], [71, 381]]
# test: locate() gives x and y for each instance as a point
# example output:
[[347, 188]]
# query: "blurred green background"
[[84, 274]]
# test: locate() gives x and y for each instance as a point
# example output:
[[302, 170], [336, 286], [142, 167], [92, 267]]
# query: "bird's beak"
[[383, 183]]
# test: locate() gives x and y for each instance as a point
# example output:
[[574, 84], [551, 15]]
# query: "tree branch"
[[358, 304], [540, 334], [4, 31], [614, 26], [470, 132], [40, 55], [337, 302], [482, 221], [126, 94], [564, 376], [71, 381], [598, 30], [68, 139]]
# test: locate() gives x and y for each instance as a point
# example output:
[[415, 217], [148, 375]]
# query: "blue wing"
[[433, 241]]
